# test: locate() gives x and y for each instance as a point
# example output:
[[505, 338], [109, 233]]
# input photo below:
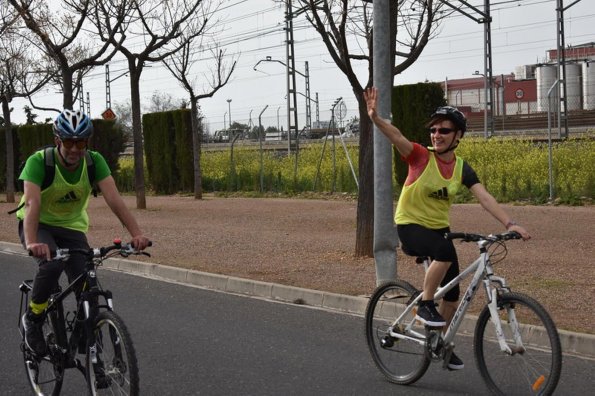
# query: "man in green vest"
[[435, 175], [56, 217]]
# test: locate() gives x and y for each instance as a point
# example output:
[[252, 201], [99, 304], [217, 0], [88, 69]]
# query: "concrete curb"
[[572, 343]]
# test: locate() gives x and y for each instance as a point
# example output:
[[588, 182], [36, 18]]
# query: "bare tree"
[[158, 24], [180, 64], [22, 73], [163, 101], [8, 16], [346, 29], [62, 29]]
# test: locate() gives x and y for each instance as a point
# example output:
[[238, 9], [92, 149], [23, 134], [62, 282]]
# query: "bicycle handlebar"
[[467, 237], [125, 250]]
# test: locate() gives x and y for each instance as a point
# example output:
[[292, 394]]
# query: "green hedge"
[[168, 149], [108, 138], [412, 105]]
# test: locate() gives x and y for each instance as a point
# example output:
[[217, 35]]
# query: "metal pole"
[[385, 237], [229, 107], [108, 95], [260, 131], [489, 71], [549, 134]]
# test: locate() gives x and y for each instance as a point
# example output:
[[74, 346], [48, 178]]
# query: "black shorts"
[[49, 271], [417, 240]]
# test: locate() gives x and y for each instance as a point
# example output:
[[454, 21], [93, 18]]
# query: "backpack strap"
[[50, 167], [91, 172], [48, 176]]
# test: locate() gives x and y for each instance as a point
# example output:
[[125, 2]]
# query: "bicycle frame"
[[482, 269], [90, 328], [87, 302]]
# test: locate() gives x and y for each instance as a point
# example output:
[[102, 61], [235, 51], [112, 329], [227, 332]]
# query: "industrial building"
[[521, 98]]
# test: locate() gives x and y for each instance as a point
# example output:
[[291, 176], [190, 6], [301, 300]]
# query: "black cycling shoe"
[[34, 338], [428, 315], [455, 363]]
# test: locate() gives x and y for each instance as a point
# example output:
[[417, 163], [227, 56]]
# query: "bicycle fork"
[[492, 294]]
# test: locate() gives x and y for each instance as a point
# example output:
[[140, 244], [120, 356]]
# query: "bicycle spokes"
[[397, 349], [525, 357]]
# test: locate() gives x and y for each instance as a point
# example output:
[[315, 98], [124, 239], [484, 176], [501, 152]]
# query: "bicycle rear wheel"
[[535, 365], [45, 374], [402, 361], [112, 369]]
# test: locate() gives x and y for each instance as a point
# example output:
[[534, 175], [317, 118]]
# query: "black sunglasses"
[[79, 143], [441, 131]]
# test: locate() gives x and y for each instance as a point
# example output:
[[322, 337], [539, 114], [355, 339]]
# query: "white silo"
[[573, 86], [546, 76], [589, 85]]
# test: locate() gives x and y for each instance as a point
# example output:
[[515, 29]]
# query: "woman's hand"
[[371, 98], [517, 228]]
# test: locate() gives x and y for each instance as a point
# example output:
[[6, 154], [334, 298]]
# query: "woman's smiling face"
[[443, 141]]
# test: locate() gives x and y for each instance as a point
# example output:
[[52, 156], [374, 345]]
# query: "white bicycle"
[[516, 343]]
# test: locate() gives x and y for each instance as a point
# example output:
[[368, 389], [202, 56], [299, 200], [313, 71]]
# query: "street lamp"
[[306, 75], [229, 107]]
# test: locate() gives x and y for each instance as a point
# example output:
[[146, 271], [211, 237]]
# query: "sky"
[[251, 30]]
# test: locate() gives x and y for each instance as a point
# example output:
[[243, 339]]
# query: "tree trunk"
[[137, 134], [67, 99], [196, 148], [9, 152], [364, 241]]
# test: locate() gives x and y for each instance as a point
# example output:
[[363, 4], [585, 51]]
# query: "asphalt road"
[[191, 341]]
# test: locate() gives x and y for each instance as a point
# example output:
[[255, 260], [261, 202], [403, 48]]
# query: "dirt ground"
[[310, 243]]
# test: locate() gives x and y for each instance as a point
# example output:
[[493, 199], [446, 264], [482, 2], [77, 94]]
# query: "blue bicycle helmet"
[[454, 115], [73, 124]]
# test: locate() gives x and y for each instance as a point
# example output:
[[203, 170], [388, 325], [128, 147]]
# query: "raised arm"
[[394, 135]]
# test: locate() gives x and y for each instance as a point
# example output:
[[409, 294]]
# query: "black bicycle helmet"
[[454, 115], [73, 124]]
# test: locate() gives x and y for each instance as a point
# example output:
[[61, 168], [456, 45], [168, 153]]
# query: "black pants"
[[417, 240], [49, 272]]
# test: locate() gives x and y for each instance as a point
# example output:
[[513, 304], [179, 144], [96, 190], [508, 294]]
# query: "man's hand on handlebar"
[[140, 242], [39, 250]]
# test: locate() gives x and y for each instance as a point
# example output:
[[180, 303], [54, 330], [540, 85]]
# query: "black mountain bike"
[[92, 329]]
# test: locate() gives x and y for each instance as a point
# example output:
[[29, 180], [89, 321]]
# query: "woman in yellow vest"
[[422, 217], [56, 217]]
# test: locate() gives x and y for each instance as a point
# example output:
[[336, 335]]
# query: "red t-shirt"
[[418, 160]]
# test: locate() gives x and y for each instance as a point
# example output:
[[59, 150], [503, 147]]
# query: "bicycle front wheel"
[[45, 374], [112, 368], [534, 364], [401, 359]]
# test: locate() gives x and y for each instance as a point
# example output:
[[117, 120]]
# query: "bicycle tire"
[[401, 361], [533, 370], [115, 370], [45, 374]]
